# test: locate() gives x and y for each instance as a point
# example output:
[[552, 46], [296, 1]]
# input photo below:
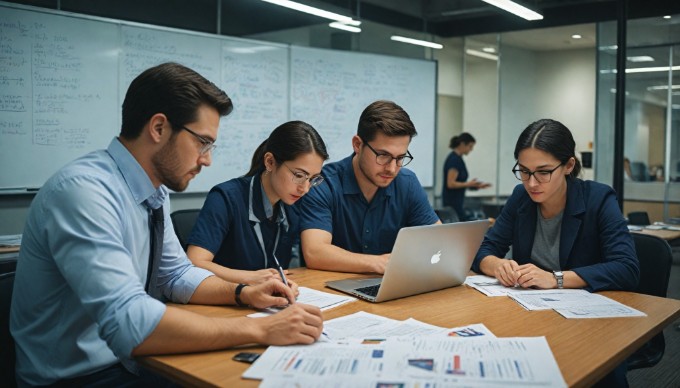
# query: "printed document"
[[574, 304], [475, 362], [487, 285]]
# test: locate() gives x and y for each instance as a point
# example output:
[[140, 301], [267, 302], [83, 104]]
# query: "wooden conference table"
[[668, 235], [585, 349]]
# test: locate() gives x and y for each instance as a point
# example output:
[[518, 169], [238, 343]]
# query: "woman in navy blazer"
[[594, 250]]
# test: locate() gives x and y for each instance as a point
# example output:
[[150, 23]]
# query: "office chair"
[[447, 215], [655, 258], [638, 218], [183, 222], [7, 355], [639, 171]]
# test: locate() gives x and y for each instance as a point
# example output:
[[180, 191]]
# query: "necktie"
[[156, 226]]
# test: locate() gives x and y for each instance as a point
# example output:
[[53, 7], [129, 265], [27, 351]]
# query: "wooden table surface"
[[665, 234], [585, 349]]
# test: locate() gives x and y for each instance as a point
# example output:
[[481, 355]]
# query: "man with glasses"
[[99, 255], [350, 222]]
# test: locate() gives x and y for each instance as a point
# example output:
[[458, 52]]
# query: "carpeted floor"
[[667, 372]]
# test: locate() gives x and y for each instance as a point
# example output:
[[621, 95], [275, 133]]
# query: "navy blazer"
[[594, 239]]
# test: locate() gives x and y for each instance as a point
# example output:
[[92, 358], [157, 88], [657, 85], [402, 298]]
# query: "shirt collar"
[[281, 219], [135, 177]]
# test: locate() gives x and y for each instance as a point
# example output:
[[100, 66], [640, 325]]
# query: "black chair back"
[[655, 258], [183, 222], [638, 218], [447, 215], [7, 355]]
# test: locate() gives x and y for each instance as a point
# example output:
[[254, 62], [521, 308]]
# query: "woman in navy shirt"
[[456, 173], [248, 223]]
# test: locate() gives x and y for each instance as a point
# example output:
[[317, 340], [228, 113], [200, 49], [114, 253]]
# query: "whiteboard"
[[63, 78], [330, 89], [58, 97]]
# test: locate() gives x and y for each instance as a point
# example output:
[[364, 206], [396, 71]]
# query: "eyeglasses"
[[300, 178], [541, 176], [207, 145], [383, 158]]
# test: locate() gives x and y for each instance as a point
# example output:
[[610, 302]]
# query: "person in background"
[[456, 175], [248, 225], [564, 232], [627, 172], [90, 285], [350, 222]]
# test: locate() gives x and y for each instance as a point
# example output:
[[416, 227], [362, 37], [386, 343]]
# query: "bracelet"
[[237, 295]]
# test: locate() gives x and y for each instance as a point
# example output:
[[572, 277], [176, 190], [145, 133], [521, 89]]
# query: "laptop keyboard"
[[370, 290]]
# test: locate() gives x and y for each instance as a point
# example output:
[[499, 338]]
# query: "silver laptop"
[[424, 258]]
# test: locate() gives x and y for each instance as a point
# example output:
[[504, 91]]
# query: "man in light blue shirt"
[[80, 311]]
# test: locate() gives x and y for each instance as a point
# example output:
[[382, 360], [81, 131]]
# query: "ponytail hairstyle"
[[552, 137], [287, 142], [464, 138]]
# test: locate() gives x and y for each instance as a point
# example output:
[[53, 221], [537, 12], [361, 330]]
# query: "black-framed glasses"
[[383, 158], [206, 144], [299, 177], [541, 176]]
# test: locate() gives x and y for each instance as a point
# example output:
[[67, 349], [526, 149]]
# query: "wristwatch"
[[559, 276], [237, 295]]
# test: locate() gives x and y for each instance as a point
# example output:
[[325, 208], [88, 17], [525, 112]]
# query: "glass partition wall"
[[652, 115]]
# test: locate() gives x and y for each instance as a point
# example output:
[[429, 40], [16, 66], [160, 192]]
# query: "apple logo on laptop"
[[436, 257]]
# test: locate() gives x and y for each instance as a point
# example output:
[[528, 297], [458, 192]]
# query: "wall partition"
[[652, 114]]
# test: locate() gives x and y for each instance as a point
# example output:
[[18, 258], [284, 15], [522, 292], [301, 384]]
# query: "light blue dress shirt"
[[79, 302]]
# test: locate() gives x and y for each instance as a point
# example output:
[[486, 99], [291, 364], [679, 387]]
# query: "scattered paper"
[[574, 304], [487, 285]]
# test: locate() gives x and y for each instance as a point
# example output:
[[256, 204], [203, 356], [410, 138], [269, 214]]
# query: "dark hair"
[[386, 117], [552, 137], [464, 138], [171, 89], [287, 142]]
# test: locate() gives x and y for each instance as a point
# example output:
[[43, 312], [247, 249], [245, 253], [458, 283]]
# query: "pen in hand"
[[280, 269]]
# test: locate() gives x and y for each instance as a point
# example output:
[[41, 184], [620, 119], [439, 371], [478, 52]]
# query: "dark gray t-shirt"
[[545, 252]]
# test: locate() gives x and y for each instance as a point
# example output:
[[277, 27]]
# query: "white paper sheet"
[[364, 325], [475, 362], [487, 285], [320, 299], [321, 359], [574, 304]]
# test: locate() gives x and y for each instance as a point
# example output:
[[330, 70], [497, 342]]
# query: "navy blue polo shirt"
[[338, 206], [455, 197], [223, 227]]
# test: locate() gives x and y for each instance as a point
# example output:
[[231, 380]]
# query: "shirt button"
[[368, 231], [365, 246]]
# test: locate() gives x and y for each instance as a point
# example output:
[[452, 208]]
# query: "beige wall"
[[653, 209]]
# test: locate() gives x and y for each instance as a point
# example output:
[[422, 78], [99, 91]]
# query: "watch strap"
[[559, 276], [237, 295]]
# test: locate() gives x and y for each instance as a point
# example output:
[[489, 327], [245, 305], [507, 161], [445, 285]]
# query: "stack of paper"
[[409, 354], [10, 240], [570, 303]]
